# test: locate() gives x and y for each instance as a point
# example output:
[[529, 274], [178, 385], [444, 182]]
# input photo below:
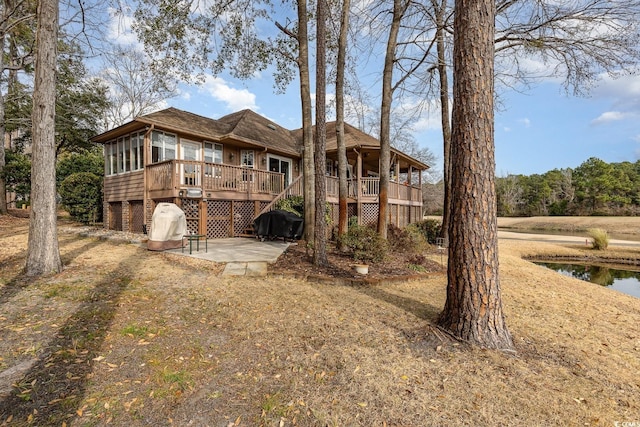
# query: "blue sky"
[[537, 130]]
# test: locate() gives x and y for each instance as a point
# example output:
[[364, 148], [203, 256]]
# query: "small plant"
[[599, 237], [365, 244], [135, 331]]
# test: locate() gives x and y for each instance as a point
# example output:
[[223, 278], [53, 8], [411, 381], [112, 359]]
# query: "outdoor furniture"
[[195, 237]]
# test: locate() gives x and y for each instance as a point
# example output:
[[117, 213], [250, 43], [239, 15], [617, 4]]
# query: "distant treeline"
[[593, 188]]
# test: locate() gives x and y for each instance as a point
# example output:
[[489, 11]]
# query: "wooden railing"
[[294, 189], [174, 174], [333, 187]]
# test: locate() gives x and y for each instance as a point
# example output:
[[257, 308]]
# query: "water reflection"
[[621, 280]]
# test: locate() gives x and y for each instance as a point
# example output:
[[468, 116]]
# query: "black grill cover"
[[279, 223]]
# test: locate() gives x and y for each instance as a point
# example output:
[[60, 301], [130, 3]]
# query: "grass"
[[599, 238], [265, 351]]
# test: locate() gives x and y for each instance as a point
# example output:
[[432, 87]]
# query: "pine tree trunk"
[[342, 153], [3, 184], [43, 255], [385, 117], [473, 309], [308, 164], [444, 114], [320, 239]]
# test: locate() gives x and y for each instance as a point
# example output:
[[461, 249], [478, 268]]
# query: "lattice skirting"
[[218, 219], [243, 213], [136, 212], [115, 216]]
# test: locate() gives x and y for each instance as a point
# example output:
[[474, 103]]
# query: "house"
[[225, 172]]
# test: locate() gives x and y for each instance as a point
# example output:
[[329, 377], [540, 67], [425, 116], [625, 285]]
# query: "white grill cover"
[[168, 225]]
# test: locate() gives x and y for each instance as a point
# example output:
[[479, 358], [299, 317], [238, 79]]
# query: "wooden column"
[[359, 187]]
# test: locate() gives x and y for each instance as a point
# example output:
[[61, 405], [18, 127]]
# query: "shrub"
[[293, 204], [600, 238], [409, 239], [81, 195], [430, 229], [365, 244]]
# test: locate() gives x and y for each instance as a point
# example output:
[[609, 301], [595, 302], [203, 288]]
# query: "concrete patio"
[[243, 256]]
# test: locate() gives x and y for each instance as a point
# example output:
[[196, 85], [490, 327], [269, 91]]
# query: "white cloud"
[[610, 116], [506, 129], [525, 122], [234, 99]]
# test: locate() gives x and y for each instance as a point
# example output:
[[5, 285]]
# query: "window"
[[137, 150], [109, 163], [126, 154], [119, 155], [212, 154], [246, 158], [163, 146]]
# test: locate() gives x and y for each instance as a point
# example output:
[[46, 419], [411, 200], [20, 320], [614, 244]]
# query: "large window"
[[126, 154], [163, 146]]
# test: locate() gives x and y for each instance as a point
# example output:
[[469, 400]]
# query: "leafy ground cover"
[[127, 337]]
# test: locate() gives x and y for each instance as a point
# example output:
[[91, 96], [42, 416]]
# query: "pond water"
[[624, 281]]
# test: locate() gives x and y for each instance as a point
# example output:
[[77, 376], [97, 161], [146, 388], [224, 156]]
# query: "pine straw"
[[128, 337]]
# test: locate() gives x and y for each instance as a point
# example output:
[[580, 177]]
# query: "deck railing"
[[176, 174]]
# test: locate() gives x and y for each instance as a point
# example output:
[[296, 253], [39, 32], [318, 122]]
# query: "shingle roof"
[[252, 127], [186, 122]]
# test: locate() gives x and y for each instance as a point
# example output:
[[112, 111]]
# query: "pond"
[[624, 281]]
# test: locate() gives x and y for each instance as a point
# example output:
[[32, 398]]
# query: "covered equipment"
[[279, 223], [168, 225]]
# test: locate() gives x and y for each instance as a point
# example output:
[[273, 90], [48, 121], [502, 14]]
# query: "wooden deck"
[[219, 181]]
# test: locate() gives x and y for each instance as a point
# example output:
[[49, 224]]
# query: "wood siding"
[[128, 186]]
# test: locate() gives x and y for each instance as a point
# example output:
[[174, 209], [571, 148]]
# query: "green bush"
[[365, 244], [600, 238], [293, 204], [430, 229], [81, 195]]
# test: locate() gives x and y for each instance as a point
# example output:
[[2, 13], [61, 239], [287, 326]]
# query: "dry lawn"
[[127, 337]]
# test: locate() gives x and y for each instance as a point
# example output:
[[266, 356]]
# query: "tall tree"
[[16, 44], [320, 145], [473, 308], [342, 153], [293, 48], [399, 7], [134, 89], [43, 255]]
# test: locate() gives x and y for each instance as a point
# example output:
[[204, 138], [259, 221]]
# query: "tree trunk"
[[385, 117], [444, 114], [473, 309], [342, 153], [308, 164], [320, 240], [3, 163], [43, 255]]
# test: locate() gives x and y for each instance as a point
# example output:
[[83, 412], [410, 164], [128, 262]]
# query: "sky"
[[536, 130]]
